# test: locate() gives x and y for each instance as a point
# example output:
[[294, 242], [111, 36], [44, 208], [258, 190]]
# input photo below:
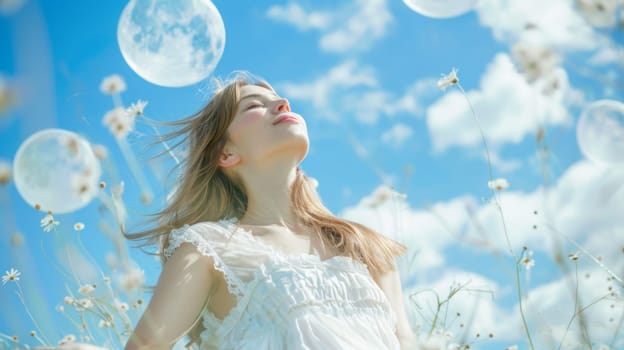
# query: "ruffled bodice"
[[288, 301]]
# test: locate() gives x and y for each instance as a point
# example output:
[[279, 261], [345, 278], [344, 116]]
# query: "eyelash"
[[254, 105]]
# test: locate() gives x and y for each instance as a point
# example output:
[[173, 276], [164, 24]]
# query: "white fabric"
[[289, 301]]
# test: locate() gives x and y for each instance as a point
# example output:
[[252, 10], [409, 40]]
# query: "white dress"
[[289, 301]]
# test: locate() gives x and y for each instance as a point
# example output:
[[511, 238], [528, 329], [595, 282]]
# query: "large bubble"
[[441, 8], [171, 42], [56, 169], [600, 131]]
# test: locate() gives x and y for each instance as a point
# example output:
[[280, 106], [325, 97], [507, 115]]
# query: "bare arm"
[[183, 289], [390, 283]]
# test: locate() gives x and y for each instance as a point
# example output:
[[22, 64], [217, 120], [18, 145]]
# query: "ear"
[[228, 159]]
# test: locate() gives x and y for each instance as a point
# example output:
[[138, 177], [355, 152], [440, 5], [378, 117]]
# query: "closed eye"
[[254, 105]]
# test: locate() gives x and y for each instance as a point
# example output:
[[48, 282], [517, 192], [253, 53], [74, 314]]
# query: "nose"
[[281, 106]]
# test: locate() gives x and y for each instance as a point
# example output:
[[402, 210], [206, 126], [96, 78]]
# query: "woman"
[[252, 259]]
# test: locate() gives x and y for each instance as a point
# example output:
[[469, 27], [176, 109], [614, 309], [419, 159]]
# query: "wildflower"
[[48, 223], [11, 275], [382, 195], [79, 226], [600, 13], [87, 289], [17, 239], [121, 306], [534, 61], [119, 121], [5, 172], [106, 280], [527, 260], [113, 84], [15, 339], [69, 300], [573, 256], [70, 338], [132, 279], [137, 107], [104, 324], [498, 184], [33, 334], [100, 151], [85, 303], [448, 80], [7, 94], [60, 308]]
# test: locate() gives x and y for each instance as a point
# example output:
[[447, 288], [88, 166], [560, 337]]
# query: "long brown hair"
[[205, 193]]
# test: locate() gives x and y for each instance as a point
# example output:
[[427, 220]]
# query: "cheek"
[[246, 123]]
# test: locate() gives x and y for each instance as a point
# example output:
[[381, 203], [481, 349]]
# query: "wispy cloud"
[[353, 26], [397, 135], [353, 89]]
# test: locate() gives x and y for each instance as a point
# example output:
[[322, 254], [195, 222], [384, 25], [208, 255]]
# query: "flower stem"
[[20, 295], [500, 211]]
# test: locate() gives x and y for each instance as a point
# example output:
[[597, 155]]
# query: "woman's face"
[[264, 127]]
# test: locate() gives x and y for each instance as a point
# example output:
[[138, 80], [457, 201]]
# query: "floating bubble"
[[600, 131], [169, 42], [57, 170], [440, 8]]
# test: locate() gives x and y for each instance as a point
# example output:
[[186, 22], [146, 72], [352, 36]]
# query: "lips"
[[286, 118]]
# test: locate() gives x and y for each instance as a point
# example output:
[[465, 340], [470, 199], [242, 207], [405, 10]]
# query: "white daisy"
[[137, 107], [11, 275], [498, 184], [119, 121], [113, 84], [448, 80], [87, 289], [48, 223], [79, 226]]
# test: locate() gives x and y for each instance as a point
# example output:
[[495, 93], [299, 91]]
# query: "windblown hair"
[[205, 193]]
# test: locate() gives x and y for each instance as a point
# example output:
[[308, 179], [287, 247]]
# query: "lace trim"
[[297, 259], [187, 234]]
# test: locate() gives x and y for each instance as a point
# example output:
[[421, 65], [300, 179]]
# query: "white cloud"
[[533, 20], [508, 108], [359, 30], [397, 135], [294, 15], [353, 26]]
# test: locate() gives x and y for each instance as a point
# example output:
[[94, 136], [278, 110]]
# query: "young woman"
[[252, 258]]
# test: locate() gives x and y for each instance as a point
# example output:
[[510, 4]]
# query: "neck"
[[268, 188]]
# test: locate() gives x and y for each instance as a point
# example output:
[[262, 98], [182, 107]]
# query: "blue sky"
[[363, 74]]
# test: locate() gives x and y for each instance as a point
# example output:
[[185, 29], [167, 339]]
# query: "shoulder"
[[204, 236]]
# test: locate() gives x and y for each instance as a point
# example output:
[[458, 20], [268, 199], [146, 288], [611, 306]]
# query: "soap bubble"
[[600, 131], [170, 42], [440, 8], [57, 170]]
